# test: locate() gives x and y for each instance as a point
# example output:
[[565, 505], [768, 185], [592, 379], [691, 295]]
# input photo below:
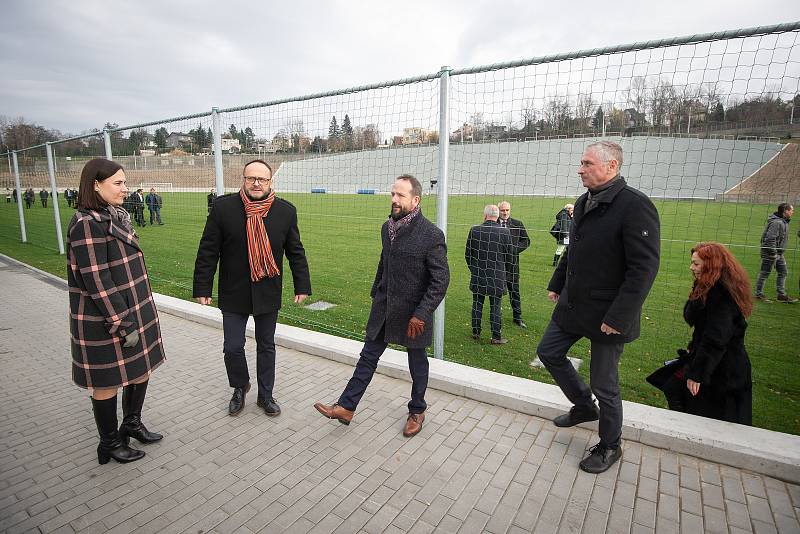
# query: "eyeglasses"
[[256, 180]]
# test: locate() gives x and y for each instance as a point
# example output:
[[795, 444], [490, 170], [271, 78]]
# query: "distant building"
[[230, 145], [415, 136], [178, 139]]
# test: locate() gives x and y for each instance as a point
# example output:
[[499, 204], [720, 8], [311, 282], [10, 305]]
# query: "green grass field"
[[341, 236]]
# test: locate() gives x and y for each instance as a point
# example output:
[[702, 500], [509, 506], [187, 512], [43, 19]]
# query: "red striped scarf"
[[262, 264]]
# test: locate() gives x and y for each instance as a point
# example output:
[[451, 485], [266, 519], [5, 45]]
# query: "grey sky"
[[74, 65]]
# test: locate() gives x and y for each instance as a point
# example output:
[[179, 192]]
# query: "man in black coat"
[[520, 241], [410, 283], [248, 234], [599, 287], [489, 254]]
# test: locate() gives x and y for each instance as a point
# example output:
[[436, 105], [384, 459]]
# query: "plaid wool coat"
[[109, 297]]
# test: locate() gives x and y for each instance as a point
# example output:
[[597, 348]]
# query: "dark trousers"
[[44, 202], [769, 261], [368, 362], [233, 326], [603, 377], [512, 283], [495, 319]]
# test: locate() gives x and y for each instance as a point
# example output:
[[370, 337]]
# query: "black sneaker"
[[577, 415], [271, 406], [600, 458]]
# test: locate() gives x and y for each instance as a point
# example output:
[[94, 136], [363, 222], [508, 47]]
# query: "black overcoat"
[[520, 242], [224, 241], [719, 360], [411, 280], [109, 297], [489, 255], [609, 266]]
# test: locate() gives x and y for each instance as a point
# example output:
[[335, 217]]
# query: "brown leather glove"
[[415, 328]]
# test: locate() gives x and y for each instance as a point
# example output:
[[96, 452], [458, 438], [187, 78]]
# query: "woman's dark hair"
[[98, 169], [783, 208]]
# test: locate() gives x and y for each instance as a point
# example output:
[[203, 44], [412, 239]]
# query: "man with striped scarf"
[[247, 234]]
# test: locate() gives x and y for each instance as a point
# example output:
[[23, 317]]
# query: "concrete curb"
[[762, 451], [767, 452]]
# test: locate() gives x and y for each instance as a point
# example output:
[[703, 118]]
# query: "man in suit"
[[410, 283], [489, 254], [520, 241], [43, 195], [599, 287], [248, 234], [212, 196], [154, 202], [136, 201]]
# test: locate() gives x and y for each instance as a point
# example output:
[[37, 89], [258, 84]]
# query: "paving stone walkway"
[[474, 468]]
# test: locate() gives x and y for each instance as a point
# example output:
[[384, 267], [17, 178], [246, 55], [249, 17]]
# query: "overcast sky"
[[74, 65]]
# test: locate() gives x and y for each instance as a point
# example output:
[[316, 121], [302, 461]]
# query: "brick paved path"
[[474, 467]]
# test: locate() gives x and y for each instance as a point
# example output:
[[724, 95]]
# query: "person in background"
[[560, 231], [114, 329], [489, 257], [154, 202], [774, 241], [212, 196], [44, 195], [519, 243]]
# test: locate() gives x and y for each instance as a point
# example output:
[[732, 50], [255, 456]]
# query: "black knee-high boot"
[[132, 427], [111, 446]]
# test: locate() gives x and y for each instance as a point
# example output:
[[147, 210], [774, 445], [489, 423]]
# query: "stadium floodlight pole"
[[22, 232], [220, 179], [107, 141], [441, 199], [51, 170]]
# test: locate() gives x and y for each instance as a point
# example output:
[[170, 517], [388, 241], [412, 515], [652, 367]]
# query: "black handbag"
[[672, 381]]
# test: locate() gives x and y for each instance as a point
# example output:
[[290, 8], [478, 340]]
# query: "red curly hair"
[[719, 265]]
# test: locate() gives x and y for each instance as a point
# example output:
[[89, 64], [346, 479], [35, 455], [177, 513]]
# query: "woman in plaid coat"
[[115, 335]]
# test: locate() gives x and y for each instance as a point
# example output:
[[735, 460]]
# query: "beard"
[[401, 212]]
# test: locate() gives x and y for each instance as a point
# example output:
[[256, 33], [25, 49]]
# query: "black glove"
[[131, 339]]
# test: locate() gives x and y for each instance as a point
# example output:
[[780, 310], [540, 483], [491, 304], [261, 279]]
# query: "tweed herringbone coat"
[[109, 297]]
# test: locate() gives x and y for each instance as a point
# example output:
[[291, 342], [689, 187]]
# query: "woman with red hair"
[[718, 373]]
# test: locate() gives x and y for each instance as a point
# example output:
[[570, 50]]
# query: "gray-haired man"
[[599, 287]]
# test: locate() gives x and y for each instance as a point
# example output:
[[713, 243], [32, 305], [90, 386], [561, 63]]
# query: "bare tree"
[[528, 117], [637, 94], [585, 109]]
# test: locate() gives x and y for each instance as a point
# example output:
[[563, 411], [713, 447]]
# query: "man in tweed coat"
[[410, 283], [115, 335]]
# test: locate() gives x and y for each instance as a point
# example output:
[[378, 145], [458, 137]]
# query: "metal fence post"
[[441, 199], [218, 172], [22, 232], [51, 170], [107, 140]]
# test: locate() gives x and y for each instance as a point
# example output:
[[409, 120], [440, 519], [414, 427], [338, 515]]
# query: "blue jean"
[[368, 363], [155, 212]]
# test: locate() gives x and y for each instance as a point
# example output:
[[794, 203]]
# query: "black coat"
[[560, 230], [519, 241], [489, 255], [609, 267], [411, 280], [718, 358], [224, 240]]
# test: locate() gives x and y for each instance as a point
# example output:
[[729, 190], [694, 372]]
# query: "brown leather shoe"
[[334, 411], [413, 424]]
